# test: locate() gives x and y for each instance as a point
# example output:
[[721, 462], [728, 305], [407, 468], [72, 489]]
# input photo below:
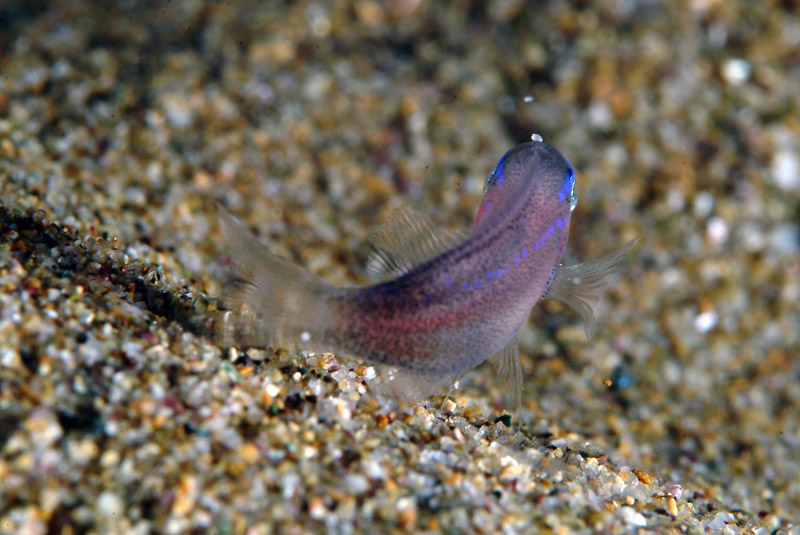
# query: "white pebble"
[[9, 358], [785, 170], [675, 200], [736, 71], [705, 321], [177, 110], [317, 510], [629, 515], [752, 237], [719, 522], [356, 484], [600, 115], [703, 204], [110, 504], [717, 230]]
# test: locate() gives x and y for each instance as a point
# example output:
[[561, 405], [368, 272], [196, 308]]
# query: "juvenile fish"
[[448, 301]]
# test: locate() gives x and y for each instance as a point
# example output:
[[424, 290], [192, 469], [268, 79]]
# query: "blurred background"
[[122, 122]]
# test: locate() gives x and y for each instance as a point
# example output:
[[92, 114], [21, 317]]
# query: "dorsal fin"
[[405, 241]]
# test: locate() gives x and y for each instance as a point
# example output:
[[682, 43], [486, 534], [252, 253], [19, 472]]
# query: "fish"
[[442, 302]]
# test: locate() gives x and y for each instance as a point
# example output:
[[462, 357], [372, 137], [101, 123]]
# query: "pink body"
[[455, 311]]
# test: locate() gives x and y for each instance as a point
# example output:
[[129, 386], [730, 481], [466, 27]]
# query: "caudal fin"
[[268, 301]]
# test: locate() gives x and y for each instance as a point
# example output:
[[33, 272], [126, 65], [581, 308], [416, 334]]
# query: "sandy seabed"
[[121, 125]]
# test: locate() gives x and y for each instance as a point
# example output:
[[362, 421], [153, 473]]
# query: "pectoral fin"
[[577, 285]]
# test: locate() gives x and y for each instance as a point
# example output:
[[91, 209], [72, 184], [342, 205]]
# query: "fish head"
[[532, 168]]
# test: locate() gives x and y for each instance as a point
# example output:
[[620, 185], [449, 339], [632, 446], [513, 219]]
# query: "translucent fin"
[[405, 241], [411, 387], [577, 285], [508, 368], [450, 389], [270, 302]]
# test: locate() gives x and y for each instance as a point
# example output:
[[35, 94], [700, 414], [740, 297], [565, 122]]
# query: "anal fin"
[[409, 386], [508, 368]]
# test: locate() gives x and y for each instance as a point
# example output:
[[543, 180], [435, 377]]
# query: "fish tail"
[[268, 301]]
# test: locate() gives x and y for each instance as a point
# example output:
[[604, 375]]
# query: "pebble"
[[110, 504], [631, 516], [786, 170], [356, 484], [312, 122]]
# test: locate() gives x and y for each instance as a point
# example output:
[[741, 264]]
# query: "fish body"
[[456, 310], [453, 302]]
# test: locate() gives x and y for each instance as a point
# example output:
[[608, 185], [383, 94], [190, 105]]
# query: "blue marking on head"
[[566, 191], [560, 224], [476, 284], [466, 286], [500, 273], [516, 261], [496, 176], [524, 253], [448, 281], [570, 189], [490, 276]]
